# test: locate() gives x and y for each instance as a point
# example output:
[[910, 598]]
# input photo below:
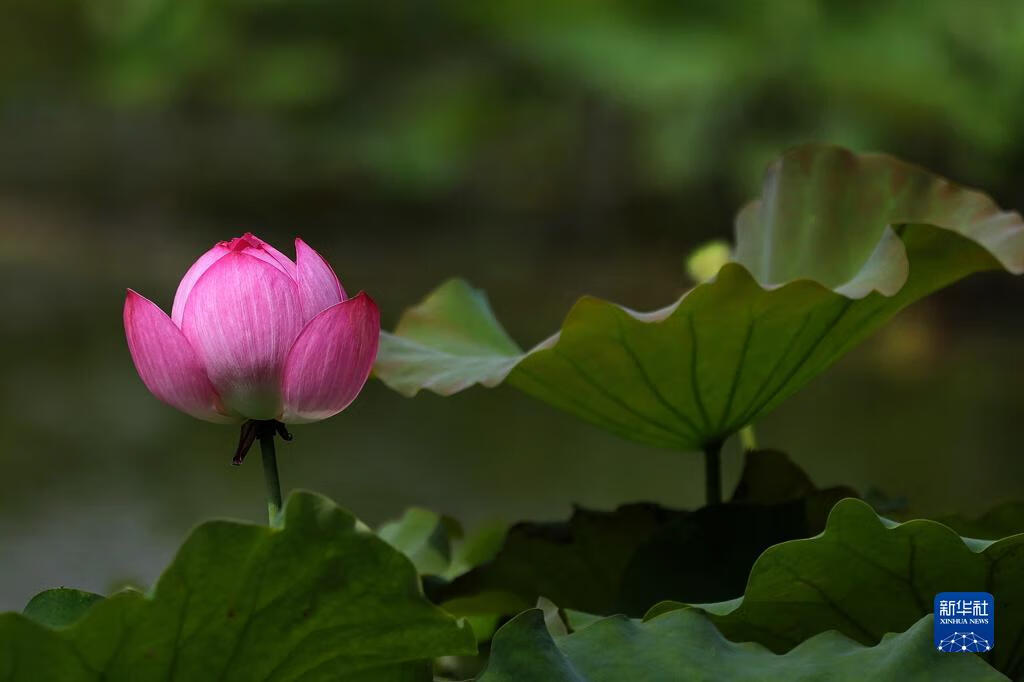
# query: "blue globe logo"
[[964, 642]]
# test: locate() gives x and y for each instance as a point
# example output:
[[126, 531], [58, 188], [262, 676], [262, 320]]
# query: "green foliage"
[[1000, 521], [866, 576], [424, 537], [437, 545], [441, 552], [684, 645], [322, 598], [685, 89], [836, 246], [625, 560], [616, 109], [319, 599], [60, 607]]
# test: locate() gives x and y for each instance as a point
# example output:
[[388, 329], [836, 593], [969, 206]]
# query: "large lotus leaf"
[[318, 599], [625, 560], [684, 645], [865, 576], [837, 244]]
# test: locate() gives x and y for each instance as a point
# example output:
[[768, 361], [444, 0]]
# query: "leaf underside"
[[836, 246]]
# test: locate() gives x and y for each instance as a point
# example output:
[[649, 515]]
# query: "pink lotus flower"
[[255, 336]]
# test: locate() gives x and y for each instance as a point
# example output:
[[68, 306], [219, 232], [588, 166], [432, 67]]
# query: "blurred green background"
[[543, 150]]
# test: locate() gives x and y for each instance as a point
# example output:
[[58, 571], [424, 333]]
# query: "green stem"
[[270, 473], [713, 473]]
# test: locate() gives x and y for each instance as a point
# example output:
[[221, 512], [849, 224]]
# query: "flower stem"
[[270, 473], [713, 473]]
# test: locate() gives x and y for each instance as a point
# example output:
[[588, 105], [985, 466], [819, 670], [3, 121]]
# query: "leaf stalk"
[[713, 473]]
